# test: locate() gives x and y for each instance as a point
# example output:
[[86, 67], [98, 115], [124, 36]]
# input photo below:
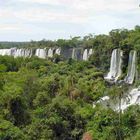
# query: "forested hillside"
[[52, 99]]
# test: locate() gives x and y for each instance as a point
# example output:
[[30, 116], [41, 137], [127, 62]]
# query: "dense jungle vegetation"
[[51, 99]]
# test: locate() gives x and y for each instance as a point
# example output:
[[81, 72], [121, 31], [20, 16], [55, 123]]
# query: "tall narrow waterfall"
[[41, 53], [79, 54], [115, 65], [131, 67], [58, 51], [85, 55], [73, 53], [90, 52], [50, 52], [29, 53]]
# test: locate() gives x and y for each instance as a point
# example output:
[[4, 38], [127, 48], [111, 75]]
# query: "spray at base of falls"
[[131, 68], [115, 65], [133, 98]]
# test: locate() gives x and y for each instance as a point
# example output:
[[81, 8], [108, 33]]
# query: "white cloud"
[[95, 5], [86, 15], [5, 13], [44, 15], [14, 27], [50, 2], [78, 11], [9, 27]]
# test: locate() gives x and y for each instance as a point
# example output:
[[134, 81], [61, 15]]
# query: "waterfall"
[[19, 53], [131, 68], [78, 54], [50, 52], [115, 65], [41, 53], [119, 71], [90, 52], [28, 53], [85, 55], [16, 52], [133, 98], [73, 53], [5, 52], [58, 51]]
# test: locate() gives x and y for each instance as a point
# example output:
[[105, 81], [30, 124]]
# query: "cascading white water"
[[16, 52], [73, 53], [50, 53], [41, 53], [58, 51], [85, 55], [133, 98], [115, 65], [5, 52], [19, 53], [131, 68], [13, 51], [28, 53], [90, 52], [119, 70]]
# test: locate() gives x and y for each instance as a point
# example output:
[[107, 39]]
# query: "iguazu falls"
[[69, 70], [74, 53]]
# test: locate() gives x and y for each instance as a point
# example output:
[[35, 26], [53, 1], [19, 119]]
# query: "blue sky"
[[25, 20]]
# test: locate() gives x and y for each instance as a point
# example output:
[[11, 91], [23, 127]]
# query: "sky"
[[25, 20]]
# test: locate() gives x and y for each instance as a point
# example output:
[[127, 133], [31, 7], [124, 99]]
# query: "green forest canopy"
[[46, 100]]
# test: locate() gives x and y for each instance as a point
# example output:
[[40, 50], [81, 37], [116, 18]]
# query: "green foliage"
[[52, 99], [10, 132], [3, 68]]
